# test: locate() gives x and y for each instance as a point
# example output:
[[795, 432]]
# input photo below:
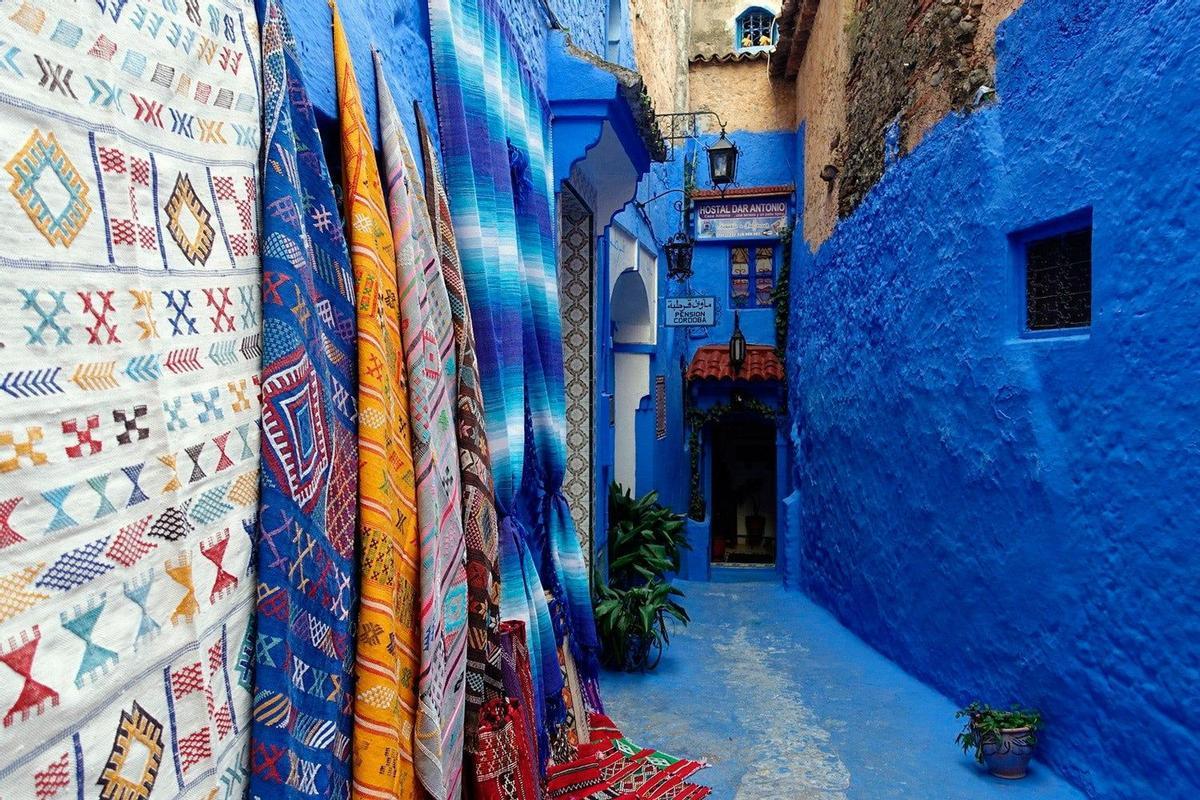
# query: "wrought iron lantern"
[[737, 346], [722, 161], [679, 255]]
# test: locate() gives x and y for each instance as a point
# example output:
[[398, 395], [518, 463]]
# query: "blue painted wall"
[[766, 158], [1012, 519], [400, 30]]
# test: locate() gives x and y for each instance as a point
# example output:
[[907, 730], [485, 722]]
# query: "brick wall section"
[[912, 61], [868, 65]]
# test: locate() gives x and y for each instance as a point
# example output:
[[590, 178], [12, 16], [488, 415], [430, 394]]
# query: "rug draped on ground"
[[129, 453], [309, 486], [387, 647], [612, 767], [429, 353]]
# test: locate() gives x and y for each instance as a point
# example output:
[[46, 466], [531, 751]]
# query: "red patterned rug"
[[611, 767]]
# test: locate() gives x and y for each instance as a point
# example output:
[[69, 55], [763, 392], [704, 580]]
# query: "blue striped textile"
[[495, 135]]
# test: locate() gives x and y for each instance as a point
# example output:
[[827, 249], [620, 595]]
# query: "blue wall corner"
[[1014, 519]]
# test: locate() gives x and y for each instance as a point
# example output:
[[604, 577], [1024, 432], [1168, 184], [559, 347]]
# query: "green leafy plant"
[[632, 623], [985, 726], [781, 294], [645, 538], [645, 541]]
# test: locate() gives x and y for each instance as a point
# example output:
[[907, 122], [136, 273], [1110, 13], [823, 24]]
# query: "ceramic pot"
[[1009, 757]]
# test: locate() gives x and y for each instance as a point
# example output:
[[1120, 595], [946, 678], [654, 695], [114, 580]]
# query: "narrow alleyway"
[[801, 710]]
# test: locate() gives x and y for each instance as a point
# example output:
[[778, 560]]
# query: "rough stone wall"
[[821, 108], [911, 63], [660, 43], [1015, 519], [743, 95], [585, 19], [713, 23]]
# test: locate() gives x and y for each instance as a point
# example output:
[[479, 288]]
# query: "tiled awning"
[[744, 191], [711, 362]]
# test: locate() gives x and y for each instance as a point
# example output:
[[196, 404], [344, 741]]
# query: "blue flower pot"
[[1009, 757]]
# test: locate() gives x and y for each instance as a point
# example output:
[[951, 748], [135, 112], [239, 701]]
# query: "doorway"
[[743, 492]]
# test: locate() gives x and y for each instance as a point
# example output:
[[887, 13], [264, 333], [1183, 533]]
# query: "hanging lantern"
[[722, 161], [737, 346], [679, 256]]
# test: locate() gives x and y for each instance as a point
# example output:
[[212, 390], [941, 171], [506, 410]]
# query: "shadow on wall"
[[1010, 518]]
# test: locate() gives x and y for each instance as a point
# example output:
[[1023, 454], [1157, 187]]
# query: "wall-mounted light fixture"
[[737, 346], [679, 255], [829, 173], [722, 161]]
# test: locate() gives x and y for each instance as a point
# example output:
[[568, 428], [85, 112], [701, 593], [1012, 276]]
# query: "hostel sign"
[[748, 218], [686, 312]]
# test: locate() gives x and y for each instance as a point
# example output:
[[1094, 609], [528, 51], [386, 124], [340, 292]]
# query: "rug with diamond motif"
[[129, 448]]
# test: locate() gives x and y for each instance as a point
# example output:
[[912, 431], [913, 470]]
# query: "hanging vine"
[[697, 420], [781, 295]]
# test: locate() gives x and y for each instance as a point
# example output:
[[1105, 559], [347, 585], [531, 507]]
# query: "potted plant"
[[632, 623], [1002, 740], [645, 540]]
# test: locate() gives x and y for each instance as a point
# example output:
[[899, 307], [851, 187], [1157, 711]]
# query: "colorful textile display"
[[309, 487], [554, 541], [479, 81], [387, 647], [518, 686], [429, 354], [566, 739], [129, 316], [501, 772], [614, 767], [484, 680]]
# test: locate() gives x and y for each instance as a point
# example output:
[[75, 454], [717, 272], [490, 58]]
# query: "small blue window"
[[756, 29], [751, 275]]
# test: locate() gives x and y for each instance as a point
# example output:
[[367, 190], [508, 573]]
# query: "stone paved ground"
[[787, 704]]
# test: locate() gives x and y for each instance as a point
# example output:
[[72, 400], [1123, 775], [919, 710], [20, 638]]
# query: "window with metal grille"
[[751, 275], [756, 28], [1058, 281]]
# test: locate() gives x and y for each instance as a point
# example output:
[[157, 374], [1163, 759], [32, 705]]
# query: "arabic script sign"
[[683, 312], [749, 218]]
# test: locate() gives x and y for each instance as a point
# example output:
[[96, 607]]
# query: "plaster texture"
[[821, 111], [804, 710], [398, 28], [1014, 519], [743, 94], [660, 45]]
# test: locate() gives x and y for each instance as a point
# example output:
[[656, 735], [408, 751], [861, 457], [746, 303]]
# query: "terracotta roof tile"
[[744, 191], [726, 58], [711, 362]]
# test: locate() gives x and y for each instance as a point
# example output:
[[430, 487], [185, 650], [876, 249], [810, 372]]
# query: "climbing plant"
[[699, 419], [780, 296]]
